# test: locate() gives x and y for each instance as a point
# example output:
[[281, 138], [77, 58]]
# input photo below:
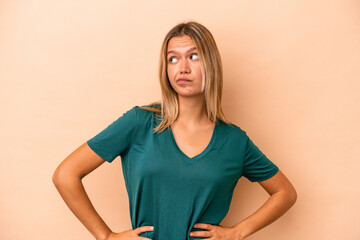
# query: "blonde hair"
[[211, 67]]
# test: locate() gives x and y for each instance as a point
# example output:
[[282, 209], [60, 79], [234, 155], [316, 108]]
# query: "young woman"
[[181, 158]]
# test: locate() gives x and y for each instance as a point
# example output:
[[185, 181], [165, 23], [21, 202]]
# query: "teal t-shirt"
[[166, 188]]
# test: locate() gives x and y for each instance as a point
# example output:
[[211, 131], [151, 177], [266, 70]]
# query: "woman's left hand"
[[215, 232]]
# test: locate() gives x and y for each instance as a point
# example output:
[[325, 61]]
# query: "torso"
[[180, 190]]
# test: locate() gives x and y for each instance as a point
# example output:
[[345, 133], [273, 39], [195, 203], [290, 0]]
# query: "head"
[[183, 62], [202, 65]]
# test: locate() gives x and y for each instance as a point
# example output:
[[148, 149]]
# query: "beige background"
[[291, 80]]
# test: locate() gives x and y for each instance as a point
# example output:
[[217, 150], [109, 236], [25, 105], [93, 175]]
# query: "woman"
[[181, 158]]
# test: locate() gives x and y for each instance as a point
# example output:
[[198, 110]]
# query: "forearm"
[[271, 210], [73, 193]]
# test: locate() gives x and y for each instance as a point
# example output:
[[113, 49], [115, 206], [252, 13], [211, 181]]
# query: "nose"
[[184, 66]]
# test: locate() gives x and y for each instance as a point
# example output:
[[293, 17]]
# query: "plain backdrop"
[[291, 81]]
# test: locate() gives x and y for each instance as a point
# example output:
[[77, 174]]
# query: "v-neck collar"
[[192, 160]]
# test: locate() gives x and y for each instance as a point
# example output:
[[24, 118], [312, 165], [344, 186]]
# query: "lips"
[[183, 80]]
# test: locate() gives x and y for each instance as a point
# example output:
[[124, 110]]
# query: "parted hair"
[[212, 73]]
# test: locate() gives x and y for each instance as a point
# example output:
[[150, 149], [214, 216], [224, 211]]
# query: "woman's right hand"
[[130, 234]]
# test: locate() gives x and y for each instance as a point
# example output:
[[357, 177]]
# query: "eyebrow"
[[173, 51]]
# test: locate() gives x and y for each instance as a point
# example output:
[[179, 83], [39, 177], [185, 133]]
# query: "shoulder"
[[231, 138], [231, 129], [146, 111], [146, 115], [232, 134]]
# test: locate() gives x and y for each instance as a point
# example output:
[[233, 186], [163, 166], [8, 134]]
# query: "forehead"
[[180, 43]]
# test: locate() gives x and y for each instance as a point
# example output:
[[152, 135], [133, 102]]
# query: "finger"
[[200, 234], [203, 226], [143, 229]]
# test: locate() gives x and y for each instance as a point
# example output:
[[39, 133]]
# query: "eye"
[[171, 59], [196, 56]]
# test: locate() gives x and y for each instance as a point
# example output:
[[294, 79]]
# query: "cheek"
[[170, 73], [198, 70]]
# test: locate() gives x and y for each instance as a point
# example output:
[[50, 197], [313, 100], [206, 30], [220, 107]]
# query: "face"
[[183, 66]]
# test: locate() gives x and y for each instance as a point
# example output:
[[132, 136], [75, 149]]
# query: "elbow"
[[288, 196], [64, 175], [56, 177], [292, 196], [60, 176]]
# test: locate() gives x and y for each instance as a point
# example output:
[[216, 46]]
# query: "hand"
[[215, 232], [130, 234]]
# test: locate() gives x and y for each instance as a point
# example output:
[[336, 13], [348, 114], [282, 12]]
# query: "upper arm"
[[256, 165], [277, 183], [79, 163], [114, 140]]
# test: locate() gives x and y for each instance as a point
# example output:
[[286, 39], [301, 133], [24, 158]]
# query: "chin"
[[189, 94]]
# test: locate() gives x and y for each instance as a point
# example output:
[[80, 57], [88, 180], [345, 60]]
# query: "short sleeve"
[[116, 138], [257, 167]]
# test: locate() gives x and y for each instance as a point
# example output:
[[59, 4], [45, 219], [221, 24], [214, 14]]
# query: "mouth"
[[183, 80]]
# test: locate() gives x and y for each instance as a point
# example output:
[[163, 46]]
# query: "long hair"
[[212, 74]]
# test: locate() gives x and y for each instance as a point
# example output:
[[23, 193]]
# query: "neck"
[[192, 110]]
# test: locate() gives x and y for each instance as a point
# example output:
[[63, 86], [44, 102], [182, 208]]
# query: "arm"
[[67, 179], [282, 197]]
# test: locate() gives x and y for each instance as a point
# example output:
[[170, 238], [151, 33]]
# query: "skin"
[[192, 131]]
